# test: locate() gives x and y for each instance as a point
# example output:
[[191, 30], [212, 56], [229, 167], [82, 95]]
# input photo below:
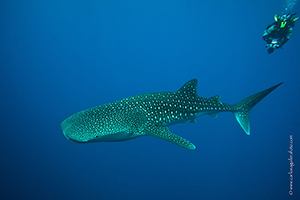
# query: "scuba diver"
[[279, 32]]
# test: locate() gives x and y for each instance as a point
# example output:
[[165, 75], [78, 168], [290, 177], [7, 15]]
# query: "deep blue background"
[[60, 57]]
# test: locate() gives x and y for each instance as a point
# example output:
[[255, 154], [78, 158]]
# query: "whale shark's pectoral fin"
[[163, 132]]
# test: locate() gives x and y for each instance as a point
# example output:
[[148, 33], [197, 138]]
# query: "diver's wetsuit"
[[279, 32]]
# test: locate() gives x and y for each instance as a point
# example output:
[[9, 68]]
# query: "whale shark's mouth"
[[74, 140], [114, 137]]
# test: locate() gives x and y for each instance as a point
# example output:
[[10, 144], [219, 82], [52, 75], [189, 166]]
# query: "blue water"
[[61, 57], [289, 5]]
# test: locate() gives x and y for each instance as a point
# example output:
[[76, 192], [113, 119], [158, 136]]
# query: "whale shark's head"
[[86, 127], [76, 132], [83, 127]]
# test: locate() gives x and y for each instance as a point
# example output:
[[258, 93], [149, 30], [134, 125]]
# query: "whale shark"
[[151, 114]]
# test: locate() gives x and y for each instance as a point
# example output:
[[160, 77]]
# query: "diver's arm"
[[267, 33]]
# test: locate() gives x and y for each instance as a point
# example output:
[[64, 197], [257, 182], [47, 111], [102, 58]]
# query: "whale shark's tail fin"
[[244, 107]]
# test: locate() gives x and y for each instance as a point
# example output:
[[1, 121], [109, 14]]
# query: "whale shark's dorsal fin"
[[216, 98], [189, 87]]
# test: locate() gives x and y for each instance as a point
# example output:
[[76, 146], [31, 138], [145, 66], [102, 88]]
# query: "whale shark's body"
[[150, 114]]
